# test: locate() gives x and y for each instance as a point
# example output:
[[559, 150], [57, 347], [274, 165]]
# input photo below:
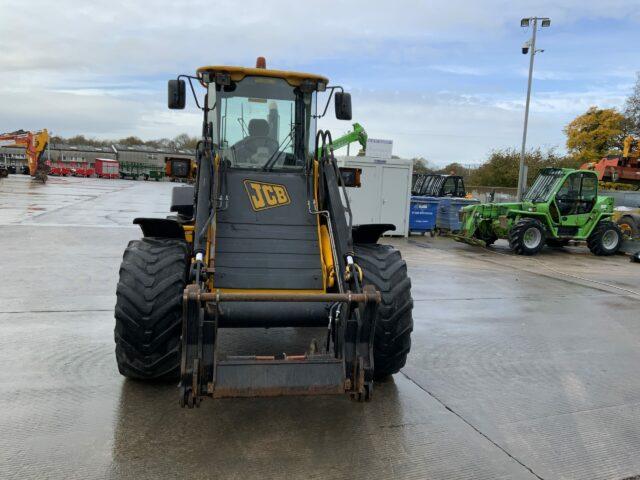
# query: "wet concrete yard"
[[520, 367]]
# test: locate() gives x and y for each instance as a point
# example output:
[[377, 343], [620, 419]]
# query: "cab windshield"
[[544, 185], [265, 123]]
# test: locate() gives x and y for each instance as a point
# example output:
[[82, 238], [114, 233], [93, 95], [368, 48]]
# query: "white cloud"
[[99, 67], [461, 70]]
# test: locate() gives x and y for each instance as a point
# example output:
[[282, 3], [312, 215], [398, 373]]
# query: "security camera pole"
[[529, 47]]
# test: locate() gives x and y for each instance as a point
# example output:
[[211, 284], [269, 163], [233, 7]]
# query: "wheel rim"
[[532, 237], [610, 239]]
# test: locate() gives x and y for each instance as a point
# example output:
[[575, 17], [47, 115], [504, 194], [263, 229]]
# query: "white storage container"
[[385, 192]]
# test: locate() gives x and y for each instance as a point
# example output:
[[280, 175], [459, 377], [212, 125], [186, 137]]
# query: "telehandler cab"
[[562, 205], [263, 239]]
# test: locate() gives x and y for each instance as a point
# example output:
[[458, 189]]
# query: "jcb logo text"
[[266, 195]]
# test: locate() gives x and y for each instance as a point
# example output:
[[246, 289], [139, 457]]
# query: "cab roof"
[[238, 73]]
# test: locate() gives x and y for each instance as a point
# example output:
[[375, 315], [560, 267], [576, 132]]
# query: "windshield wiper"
[[276, 155]]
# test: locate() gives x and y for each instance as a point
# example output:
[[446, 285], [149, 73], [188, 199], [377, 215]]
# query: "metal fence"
[[495, 194]]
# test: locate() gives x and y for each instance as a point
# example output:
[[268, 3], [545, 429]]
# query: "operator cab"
[[577, 194], [438, 185], [570, 196], [264, 123], [262, 119]]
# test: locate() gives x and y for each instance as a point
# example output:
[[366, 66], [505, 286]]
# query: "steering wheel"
[[247, 147]]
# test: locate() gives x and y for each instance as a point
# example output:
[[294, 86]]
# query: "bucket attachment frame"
[[345, 368]]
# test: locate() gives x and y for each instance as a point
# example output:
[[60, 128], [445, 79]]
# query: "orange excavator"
[[620, 169], [35, 143]]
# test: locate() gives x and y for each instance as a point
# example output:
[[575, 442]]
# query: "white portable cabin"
[[385, 192]]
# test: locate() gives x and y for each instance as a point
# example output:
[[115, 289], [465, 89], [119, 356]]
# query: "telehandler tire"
[[527, 237], [148, 312], [605, 239], [384, 268]]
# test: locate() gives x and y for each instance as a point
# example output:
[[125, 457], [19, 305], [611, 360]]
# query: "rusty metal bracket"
[[197, 349], [189, 365], [348, 297]]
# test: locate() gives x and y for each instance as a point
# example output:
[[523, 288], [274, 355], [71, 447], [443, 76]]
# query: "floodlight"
[[524, 22], [546, 22]]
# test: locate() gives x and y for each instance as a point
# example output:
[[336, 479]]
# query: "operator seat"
[[257, 147], [258, 127]]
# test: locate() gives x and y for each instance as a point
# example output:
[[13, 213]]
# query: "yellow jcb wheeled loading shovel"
[[262, 240]]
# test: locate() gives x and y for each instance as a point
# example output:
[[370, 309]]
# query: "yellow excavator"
[[35, 143]]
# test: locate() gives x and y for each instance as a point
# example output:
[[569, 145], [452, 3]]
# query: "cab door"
[[574, 201]]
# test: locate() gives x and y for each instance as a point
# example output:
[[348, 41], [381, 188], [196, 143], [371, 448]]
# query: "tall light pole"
[[528, 47]]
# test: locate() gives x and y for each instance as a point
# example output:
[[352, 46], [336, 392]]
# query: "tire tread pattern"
[[516, 236], [594, 242], [384, 268], [148, 311]]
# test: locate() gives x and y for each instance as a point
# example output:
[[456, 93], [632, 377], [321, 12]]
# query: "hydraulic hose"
[[203, 205]]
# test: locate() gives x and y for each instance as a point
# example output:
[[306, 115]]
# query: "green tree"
[[501, 168], [131, 141], [632, 108], [595, 134], [421, 165], [185, 142], [453, 169], [82, 140]]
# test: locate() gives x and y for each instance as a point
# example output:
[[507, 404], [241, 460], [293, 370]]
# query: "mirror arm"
[[326, 107], [193, 91]]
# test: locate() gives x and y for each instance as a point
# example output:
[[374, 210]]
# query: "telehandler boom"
[[358, 134]]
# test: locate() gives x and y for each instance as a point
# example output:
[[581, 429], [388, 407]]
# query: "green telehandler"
[[562, 205]]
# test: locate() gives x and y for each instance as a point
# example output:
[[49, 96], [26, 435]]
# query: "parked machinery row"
[[176, 169], [108, 168]]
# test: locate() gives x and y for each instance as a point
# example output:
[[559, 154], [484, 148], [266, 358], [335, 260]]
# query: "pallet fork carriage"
[[262, 239], [313, 373]]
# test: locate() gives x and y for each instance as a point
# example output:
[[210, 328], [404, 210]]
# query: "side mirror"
[[177, 96], [343, 106]]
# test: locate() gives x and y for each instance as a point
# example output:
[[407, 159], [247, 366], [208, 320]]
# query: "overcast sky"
[[443, 79]]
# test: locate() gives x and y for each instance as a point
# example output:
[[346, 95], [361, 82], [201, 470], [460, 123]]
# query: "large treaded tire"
[[517, 236], [595, 240], [384, 268], [148, 312]]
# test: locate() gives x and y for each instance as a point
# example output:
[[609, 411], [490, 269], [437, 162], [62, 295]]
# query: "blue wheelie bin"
[[447, 218], [422, 214]]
